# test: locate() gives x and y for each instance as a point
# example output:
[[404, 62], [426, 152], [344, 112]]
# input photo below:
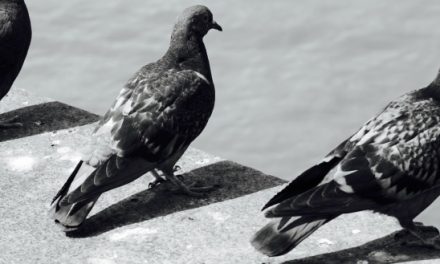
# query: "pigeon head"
[[195, 21]]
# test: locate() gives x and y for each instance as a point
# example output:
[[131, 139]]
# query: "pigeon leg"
[[157, 180], [10, 123], [176, 168], [182, 188], [421, 232]]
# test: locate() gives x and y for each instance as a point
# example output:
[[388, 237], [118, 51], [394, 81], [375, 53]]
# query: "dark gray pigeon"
[[391, 166], [15, 38], [157, 115]]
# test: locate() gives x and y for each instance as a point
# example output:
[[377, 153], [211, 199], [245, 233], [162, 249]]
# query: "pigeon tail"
[[72, 215], [282, 235], [307, 180]]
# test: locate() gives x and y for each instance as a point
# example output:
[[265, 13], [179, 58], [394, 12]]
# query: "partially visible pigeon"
[[15, 38], [161, 110], [391, 166]]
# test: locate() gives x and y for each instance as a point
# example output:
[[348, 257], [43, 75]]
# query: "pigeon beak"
[[216, 26]]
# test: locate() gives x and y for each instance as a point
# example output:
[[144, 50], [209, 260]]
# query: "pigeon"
[[153, 120], [390, 166], [15, 39]]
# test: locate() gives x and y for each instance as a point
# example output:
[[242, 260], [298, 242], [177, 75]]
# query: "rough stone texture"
[[34, 168], [44, 117], [135, 225], [18, 98], [132, 225], [38, 114], [233, 180]]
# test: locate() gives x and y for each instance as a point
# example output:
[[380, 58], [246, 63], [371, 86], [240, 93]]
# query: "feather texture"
[[281, 235], [390, 165], [155, 117], [15, 39]]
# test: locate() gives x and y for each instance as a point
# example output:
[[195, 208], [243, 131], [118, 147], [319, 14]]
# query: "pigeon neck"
[[437, 80], [431, 91], [189, 52]]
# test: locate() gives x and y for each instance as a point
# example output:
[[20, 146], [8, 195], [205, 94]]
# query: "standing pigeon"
[[15, 38], [154, 119], [391, 166]]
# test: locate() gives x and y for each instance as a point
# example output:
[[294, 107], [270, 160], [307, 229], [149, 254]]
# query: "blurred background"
[[293, 78]]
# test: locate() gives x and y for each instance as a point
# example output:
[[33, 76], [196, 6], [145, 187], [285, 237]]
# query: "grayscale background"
[[293, 78]]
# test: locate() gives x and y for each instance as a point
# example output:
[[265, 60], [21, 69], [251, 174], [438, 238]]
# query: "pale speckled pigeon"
[[15, 38], [154, 119], [391, 166]]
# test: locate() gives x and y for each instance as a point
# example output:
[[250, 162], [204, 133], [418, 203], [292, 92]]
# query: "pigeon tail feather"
[[307, 180], [282, 235], [72, 215], [63, 191]]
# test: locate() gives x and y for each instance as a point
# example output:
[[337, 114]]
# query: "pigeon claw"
[[432, 243], [193, 190], [155, 183], [176, 168], [180, 177], [423, 236]]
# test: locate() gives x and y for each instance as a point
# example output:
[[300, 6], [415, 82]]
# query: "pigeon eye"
[[205, 18]]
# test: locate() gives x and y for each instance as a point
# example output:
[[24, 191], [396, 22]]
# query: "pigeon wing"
[[401, 123], [394, 163], [159, 118]]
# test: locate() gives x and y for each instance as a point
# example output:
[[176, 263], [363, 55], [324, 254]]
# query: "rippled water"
[[293, 78]]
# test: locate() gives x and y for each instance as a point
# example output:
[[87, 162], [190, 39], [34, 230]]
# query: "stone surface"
[[17, 98], [134, 225], [44, 117], [231, 179], [34, 168], [38, 114]]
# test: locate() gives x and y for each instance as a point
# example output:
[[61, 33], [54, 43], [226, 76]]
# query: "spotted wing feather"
[[157, 120], [393, 160]]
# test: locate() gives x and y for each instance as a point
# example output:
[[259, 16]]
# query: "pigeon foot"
[[194, 189], [432, 243], [157, 180], [426, 236]]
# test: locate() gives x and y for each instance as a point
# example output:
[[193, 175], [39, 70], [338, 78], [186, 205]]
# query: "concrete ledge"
[[50, 116], [18, 98], [234, 180], [387, 249], [135, 225], [34, 167]]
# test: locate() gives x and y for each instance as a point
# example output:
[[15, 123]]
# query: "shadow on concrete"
[[44, 117], [234, 180], [392, 248]]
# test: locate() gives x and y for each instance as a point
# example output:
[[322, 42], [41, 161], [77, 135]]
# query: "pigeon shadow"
[[392, 248], [233, 180], [44, 117]]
